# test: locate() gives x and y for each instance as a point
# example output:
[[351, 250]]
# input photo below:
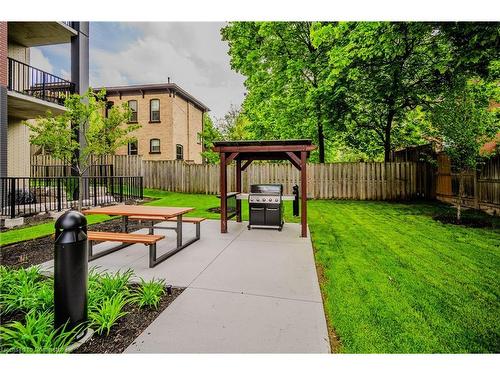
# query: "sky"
[[192, 54]]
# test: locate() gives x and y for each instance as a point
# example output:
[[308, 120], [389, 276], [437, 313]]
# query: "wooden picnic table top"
[[130, 210]]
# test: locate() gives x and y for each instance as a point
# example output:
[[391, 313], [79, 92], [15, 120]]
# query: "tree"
[[284, 70], [103, 135], [234, 125], [209, 135], [464, 121], [389, 69]]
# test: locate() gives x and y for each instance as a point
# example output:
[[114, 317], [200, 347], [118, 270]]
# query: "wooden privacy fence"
[[370, 181], [481, 189]]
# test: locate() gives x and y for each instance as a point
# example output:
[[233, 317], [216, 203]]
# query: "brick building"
[[171, 121]]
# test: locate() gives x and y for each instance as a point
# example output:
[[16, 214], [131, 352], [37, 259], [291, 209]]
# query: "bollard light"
[[70, 271]]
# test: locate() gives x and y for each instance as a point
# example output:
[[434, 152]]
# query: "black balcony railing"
[[24, 196], [69, 24], [31, 81]]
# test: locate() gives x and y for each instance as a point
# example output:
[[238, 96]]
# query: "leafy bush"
[[25, 290], [104, 315], [149, 293], [36, 335], [105, 285]]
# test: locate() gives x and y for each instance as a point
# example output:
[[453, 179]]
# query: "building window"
[[132, 104], [179, 152], [132, 148], [154, 146], [154, 105], [109, 105], [199, 138]]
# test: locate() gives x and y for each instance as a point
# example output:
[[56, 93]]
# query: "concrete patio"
[[246, 292]]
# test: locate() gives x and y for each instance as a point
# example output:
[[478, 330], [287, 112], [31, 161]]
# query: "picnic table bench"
[[146, 213]]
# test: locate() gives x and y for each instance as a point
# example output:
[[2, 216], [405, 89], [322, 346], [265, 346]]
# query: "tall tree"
[[389, 69], [209, 135], [284, 70]]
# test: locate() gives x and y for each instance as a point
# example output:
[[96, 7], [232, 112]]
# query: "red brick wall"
[[3, 54]]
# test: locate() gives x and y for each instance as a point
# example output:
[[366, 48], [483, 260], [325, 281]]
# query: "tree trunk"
[[321, 136], [321, 145], [387, 138], [80, 192], [460, 195]]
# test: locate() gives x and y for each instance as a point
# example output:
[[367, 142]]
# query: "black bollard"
[[295, 190], [70, 271]]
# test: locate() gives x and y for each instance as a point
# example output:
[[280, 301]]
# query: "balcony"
[[32, 34], [32, 91]]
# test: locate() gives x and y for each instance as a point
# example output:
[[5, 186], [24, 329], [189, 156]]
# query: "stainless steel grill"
[[266, 206]]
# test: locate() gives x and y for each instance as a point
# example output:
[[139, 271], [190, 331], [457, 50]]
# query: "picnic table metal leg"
[[152, 255], [179, 231], [125, 224]]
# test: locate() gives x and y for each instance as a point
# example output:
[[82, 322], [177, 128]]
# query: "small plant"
[[105, 285], [36, 335], [25, 290], [107, 312], [149, 293]]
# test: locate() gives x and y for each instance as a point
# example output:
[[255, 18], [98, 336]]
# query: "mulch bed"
[[127, 328], [467, 221], [39, 250]]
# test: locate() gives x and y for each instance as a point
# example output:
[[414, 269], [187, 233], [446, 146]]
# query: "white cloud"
[[192, 54], [39, 61]]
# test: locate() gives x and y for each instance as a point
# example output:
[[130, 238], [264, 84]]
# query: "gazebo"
[[244, 152]]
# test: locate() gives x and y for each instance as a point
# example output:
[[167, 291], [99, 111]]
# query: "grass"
[[40, 230], [396, 281]]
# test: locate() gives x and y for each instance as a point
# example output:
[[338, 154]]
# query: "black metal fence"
[[28, 80], [24, 196]]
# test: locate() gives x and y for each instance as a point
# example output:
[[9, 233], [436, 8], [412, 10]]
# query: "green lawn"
[[394, 280]]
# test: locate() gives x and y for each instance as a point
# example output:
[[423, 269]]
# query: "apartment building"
[[27, 92], [171, 121]]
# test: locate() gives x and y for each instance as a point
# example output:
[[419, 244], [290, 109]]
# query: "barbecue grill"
[[266, 206]]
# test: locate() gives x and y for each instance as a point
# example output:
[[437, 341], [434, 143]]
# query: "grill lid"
[[267, 188]]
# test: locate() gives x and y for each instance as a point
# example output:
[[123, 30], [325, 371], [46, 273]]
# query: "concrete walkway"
[[247, 292]]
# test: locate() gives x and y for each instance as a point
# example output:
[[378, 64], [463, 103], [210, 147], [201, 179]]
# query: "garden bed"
[[40, 250], [118, 311], [128, 328]]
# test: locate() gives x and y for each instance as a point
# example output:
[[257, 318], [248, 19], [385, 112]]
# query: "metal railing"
[[69, 24], [31, 81], [24, 196]]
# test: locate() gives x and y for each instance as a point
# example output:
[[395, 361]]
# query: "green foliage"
[[107, 312], [25, 290], [149, 293], [35, 335], [209, 135], [352, 85], [104, 285], [464, 122], [84, 120]]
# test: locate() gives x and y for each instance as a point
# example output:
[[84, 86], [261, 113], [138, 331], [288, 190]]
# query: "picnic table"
[[143, 213]]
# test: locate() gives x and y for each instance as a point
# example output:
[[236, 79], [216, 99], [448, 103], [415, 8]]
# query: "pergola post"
[[223, 193], [238, 189], [303, 193]]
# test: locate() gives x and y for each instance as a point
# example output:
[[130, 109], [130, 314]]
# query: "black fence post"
[[94, 185], [70, 271], [59, 194], [12, 198], [141, 194], [295, 190], [120, 186]]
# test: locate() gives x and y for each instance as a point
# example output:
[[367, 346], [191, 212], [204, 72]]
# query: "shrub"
[[105, 285], [36, 335], [107, 312], [25, 290], [149, 293]]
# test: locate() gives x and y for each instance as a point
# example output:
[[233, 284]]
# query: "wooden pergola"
[[244, 152]]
